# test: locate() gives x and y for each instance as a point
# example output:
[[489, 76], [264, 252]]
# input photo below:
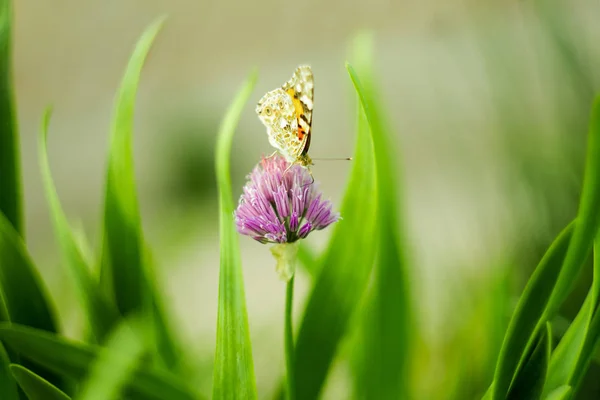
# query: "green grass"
[[344, 268], [361, 315], [234, 369], [34, 386], [11, 198], [387, 341], [100, 312], [73, 360]]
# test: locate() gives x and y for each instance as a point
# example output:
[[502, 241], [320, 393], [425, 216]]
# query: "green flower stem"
[[289, 340]]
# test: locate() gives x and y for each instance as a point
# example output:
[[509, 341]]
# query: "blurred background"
[[489, 104]]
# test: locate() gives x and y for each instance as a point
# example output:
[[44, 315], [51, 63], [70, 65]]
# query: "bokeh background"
[[489, 102]]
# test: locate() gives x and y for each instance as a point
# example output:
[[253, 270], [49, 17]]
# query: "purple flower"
[[278, 207]]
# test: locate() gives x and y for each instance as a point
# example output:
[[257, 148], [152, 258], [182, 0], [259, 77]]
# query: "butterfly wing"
[[301, 89]]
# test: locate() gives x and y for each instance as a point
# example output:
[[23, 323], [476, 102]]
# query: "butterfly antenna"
[[334, 159], [312, 179]]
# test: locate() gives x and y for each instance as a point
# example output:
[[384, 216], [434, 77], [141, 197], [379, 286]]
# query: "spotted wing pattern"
[[301, 90], [287, 114]]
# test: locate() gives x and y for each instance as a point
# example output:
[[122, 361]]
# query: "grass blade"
[[388, 337], [24, 295], [348, 259], [590, 331], [122, 252], [124, 256], [528, 311], [34, 386], [573, 354], [569, 348], [72, 360], [529, 381], [8, 386], [588, 218], [233, 375], [22, 291], [116, 362], [165, 342], [11, 191], [101, 313], [561, 280], [560, 393]]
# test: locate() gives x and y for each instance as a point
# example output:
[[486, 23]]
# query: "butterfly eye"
[[267, 111]]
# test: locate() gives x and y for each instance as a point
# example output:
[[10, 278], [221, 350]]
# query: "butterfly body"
[[287, 114]]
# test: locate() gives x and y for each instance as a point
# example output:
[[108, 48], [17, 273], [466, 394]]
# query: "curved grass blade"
[[99, 311], [588, 218], [72, 360], [8, 386], [22, 290], [528, 311], [569, 349], [388, 338], [116, 362], [233, 375], [34, 386], [591, 331], [165, 341], [122, 251], [561, 279], [573, 354], [529, 381], [560, 393], [11, 190], [344, 268], [586, 354]]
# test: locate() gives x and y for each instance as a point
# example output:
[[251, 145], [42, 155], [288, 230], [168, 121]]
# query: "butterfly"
[[287, 114]]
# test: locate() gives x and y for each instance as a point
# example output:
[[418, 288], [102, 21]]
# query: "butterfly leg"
[[272, 155], [311, 177], [288, 168]]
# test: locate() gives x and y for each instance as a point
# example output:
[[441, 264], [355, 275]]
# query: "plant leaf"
[[589, 330], [125, 253], [99, 311], [164, 339], [566, 355], [71, 359], [562, 278], [560, 393], [233, 375], [8, 386], [122, 252], [587, 222], [568, 350], [22, 291], [11, 191], [116, 362], [388, 338], [34, 386], [528, 311], [348, 259], [529, 380]]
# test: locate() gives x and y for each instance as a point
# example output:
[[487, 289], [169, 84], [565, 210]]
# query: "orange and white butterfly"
[[287, 114]]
